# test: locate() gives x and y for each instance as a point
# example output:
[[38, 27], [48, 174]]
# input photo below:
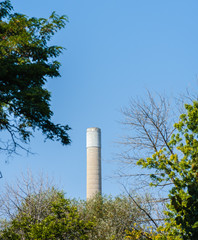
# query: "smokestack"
[[93, 162]]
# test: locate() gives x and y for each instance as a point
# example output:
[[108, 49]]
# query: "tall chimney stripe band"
[[93, 137]]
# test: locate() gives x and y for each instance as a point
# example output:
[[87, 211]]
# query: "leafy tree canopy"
[[113, 217], [58, 220], [26, 62]]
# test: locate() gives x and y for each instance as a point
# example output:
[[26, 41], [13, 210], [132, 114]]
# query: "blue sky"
[[115, 50]]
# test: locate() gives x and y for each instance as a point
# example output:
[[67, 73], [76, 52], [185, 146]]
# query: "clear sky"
[[116, 49]]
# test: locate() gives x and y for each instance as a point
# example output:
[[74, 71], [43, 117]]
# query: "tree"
[[36, 210], [26, 63], [149, 125], [152, 135], [13, 195], [112, 217], [178, 162], [62, 221]]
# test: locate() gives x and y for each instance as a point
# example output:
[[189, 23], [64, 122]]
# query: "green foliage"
[[26, 62], [58, 220], [179, 163], [152, 235], [111, 216]]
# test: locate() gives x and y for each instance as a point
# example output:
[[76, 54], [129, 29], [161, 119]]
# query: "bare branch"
[[14, 195], [147, 214]]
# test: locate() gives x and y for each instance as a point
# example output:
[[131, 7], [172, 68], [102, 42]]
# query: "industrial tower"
[[94, 185]]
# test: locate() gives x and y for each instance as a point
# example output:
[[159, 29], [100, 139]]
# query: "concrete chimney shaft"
[[93, 162]]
